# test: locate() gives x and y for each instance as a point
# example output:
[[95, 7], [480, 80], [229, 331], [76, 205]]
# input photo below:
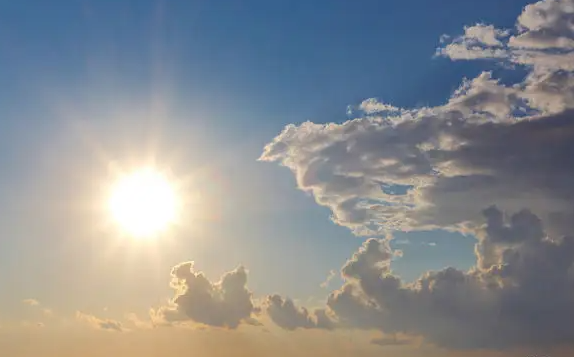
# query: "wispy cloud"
[[330, 277], [31, 302], [101, 324]]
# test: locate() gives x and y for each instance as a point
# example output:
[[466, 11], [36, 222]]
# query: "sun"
[[144, 203]]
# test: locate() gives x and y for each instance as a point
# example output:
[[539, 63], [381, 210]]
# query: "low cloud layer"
[[226, 303]]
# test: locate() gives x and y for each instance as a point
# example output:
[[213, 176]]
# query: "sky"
[[360, 177]]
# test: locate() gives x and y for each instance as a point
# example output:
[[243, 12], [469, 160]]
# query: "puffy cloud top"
[[522, 294], [226, 303], [507, 145], [494, 160], [285, 314]]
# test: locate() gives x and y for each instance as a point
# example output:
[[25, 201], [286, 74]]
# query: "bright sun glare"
[[144, 203]]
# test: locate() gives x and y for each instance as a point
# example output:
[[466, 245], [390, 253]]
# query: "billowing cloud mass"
[[102, 324], [495, 160], [226, 303], [522, 293], [439, 167]]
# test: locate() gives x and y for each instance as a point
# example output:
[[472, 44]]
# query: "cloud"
[[31, 302], [138, 322], [488, 144], [285, 314], [35, 303], [226, 303], [101, 324], [494, 160], [546, 25], [372, 106], [543, 38], [502, 303], [391, 341], [478, 42], [330, 277]]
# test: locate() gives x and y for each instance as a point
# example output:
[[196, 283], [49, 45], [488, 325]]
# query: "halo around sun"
[[144, 203]]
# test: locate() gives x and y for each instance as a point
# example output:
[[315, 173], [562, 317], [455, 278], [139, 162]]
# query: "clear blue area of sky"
[[233, 73]]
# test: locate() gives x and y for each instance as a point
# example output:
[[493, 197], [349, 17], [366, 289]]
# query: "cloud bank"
[[494, 160]]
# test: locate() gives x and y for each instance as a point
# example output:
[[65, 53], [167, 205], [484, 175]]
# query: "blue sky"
[[235, 74], [203, 87]]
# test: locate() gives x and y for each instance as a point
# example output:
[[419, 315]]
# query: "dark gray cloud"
[[226, 303]]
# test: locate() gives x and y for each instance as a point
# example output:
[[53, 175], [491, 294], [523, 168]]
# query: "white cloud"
[[543, 38], [372, 106], [546, 25], [478, 42], [455, 157]]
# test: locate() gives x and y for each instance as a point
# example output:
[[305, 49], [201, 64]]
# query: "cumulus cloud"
[[490, 143], [226, 303], [101, 324], [543, 37], [285, 314], [546, 25], [494, 160], [504, 302], [372, 106], [448, 157], [479, 41]]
